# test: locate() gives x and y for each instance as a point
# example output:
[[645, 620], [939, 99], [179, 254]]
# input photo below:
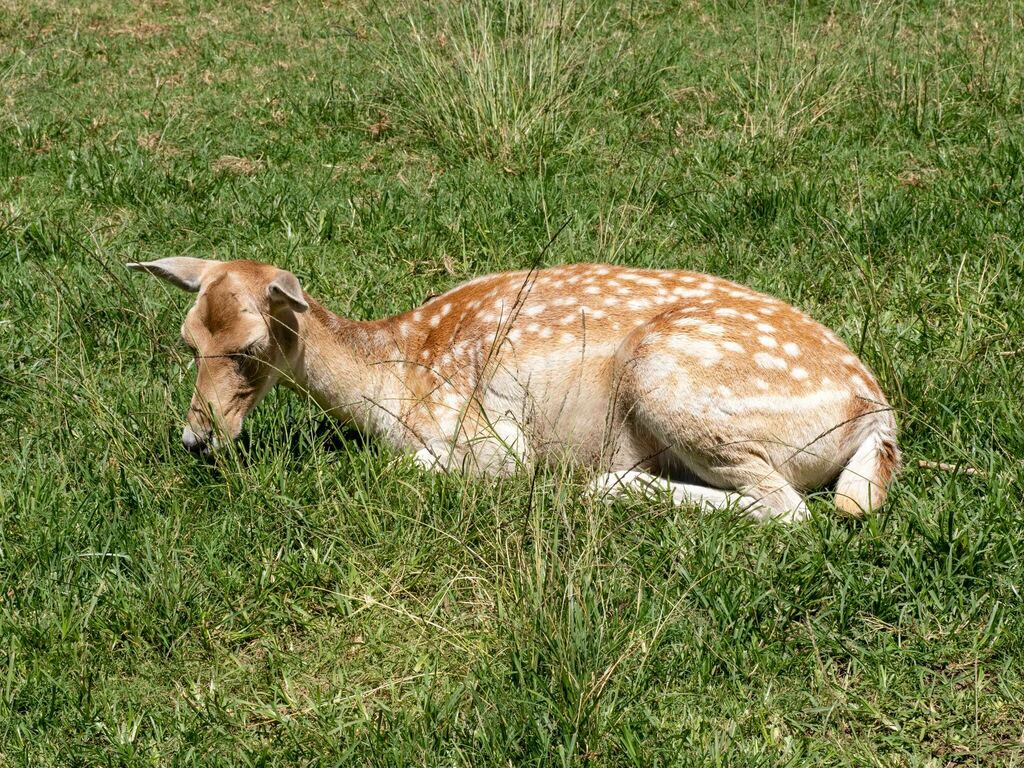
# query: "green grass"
[[313, 600]]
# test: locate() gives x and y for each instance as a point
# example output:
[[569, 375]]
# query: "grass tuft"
[[497, 79]]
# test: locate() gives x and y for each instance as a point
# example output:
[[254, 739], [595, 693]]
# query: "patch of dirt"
[[379, 128], [917, 178], [155, 143], [141, 30], [236, 166]]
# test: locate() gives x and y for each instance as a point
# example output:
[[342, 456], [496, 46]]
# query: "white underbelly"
[[561, 400]]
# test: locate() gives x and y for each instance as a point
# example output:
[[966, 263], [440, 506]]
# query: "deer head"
[[242, 330]]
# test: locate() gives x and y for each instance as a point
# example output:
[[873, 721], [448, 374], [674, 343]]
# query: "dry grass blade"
[[236, 166], [945, 466]]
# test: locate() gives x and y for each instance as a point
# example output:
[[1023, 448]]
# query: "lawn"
[[313, 599]]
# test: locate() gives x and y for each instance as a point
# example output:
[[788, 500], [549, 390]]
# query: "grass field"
[[312, 600]]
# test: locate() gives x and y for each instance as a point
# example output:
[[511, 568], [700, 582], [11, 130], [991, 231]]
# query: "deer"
[[656, 381]]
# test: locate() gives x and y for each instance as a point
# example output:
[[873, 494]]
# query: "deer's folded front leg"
[[497, 447]]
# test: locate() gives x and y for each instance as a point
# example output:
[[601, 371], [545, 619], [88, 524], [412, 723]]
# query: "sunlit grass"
[[312, 599]]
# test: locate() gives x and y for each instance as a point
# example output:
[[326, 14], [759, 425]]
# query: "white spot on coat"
[[689, 293], [707, 352], [641, 279], [792, 403], [771, 362]]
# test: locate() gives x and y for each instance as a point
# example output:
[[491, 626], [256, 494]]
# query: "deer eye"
[[247, 359]]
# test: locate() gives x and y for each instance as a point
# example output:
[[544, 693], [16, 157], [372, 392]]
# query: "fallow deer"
[[656, 379]]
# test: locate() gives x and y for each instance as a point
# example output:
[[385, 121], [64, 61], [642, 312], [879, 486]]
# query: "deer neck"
[[340, 364]]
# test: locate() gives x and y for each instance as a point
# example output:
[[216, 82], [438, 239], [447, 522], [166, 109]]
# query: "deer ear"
[[285, 290], [182, 271]]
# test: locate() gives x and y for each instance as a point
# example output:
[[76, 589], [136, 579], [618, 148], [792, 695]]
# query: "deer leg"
[[499, 447], [496, 448], [776, 498], [765, 497], [632, 482]]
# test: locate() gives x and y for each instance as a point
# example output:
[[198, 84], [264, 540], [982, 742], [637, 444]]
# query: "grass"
[[314, 600]]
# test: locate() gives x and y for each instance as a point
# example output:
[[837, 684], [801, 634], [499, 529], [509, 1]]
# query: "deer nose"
[[192, 442]]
